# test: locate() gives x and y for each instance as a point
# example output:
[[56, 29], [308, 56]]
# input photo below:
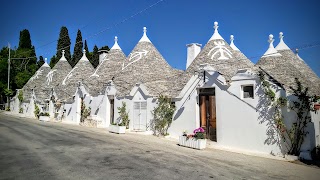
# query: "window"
[[247, 91]]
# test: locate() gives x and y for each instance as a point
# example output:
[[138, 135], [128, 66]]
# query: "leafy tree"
[[40, 61], [64, 43], [77, 52], [95, 57], [53, 61], [22, 65]]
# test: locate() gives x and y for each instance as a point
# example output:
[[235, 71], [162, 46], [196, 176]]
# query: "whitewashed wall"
[[240, 124], [138, 96], [316, 122]]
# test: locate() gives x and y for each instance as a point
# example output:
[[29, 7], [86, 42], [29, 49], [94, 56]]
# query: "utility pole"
[[8, 74]]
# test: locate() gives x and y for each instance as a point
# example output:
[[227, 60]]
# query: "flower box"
[[44, 118], [117, 129], [192, 142]]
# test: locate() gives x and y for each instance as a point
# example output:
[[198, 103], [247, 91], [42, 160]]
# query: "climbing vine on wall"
[[302, 106], [162, 116]]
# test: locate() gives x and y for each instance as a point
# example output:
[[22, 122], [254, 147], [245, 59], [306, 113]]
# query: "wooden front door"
[[207, 103]]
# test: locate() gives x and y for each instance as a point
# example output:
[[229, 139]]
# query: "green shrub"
[[36, 111], [124, 115]]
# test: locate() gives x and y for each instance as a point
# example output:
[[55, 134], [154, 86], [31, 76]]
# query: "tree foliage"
[[292, 135], [23, 63], [95, 57], [124, 115], [53, 61], [64, 43], [40, 62], [162, 116], [25, 40], [87, 49], [77, 52]]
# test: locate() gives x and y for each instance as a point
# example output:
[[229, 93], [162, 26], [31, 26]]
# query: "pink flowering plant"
[[198, 133]]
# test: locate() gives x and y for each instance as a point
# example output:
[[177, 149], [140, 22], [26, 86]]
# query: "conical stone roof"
[[300, 65], [107, 69], [283, 69], [144, 65], [82, 70], [218, 54], [38, 83], [58, 73]]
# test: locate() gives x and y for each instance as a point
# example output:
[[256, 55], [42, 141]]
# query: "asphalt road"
[[30, 149]]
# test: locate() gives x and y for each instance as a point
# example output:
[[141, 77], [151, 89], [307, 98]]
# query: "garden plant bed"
[[192, 142], [117, 129]]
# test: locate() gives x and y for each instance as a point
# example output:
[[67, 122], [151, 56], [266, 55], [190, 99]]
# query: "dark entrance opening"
[[207, 106]]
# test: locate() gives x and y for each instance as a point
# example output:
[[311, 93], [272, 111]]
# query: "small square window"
[[247, 91]]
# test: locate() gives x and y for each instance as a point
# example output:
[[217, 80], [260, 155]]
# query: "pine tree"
[[40, 61], [77, 52], [95, 57], [64, 43]]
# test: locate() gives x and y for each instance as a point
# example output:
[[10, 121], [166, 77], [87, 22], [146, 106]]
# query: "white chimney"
[[193, 50]]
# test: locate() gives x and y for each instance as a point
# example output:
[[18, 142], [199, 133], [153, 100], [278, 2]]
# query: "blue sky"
[[171, 24]]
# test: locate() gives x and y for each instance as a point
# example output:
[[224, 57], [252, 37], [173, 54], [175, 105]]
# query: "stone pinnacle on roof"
[[271, 51], [234, 47], [84, 57], [116, 45], [63, 58], [216, 34], [297, 54], [46, 62], [282, 45], [144, 37]]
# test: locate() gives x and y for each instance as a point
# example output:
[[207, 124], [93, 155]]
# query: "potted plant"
[[117, 128], [196, 140], [44, 116], [123, 123]]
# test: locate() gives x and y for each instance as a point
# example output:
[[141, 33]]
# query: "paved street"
[[30, 149]]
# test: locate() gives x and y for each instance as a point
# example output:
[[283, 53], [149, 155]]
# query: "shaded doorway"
[[111, 111], [207, 107]]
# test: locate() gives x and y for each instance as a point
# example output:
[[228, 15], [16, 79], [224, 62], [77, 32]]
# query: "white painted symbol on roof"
[[134, 57], [36, 76], [220, 48], [68, 76], [49, 76], [95, 72]]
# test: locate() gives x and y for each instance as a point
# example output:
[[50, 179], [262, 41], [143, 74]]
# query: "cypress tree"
[[24, 40], [77, 52], [95, 57], [53, 61], [40, 61], [87, 50], [64, 43]]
